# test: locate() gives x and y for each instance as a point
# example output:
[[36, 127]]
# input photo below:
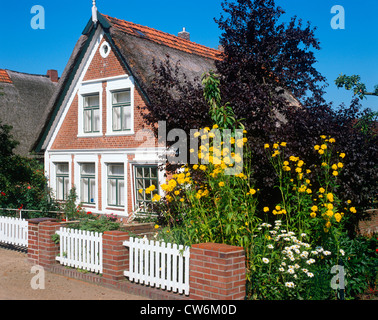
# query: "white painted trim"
[[78, 160], [105, 79], [116, 85], [102, 49], [52, 165], [83, 91], [105, 160]]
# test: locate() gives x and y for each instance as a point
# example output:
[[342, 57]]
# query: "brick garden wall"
[[216, 271]]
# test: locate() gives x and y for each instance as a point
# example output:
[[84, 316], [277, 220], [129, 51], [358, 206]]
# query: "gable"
[[103, 74]]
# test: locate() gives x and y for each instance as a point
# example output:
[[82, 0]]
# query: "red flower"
[[89, 212], [21, 207], [29, 187], [3, 194]]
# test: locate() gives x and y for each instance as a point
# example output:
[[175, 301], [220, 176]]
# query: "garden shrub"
[[292, 260]]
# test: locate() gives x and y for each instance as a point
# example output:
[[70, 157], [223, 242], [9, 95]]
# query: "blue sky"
[[350, 51]]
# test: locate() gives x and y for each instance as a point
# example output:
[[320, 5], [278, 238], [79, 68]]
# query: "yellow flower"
[[195, 167], [323, 137], [321, 151], [202, 167], [156, 198], [334, 167], [197, 134], [330, 206], [338, 217], [323, 146], [177, 192], [332, 140], [191, 150], [300, 163], [328, 224], [340, 165], [252, 191], [266, 146], [283, 144], [140, 191], [342, 155], [314, 208], [215, 126], [156, 226], [321, 190], [221, 184], [317, 147], [182, 200], [266, 209], [335, 173], [313, 214], [275, 146], [330, 197], [353, 210]]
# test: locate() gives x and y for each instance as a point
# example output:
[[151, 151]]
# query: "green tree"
[[22, 180]]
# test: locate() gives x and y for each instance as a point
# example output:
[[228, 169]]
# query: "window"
[[122, 111], [145, 176], [91, 114], [116, 185], [62, 181], [88, 183]]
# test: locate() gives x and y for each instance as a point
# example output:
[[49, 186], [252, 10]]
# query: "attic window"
[[105, 50]]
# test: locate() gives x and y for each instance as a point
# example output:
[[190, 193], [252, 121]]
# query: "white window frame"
[[83, 159], [114, 85], [53, 162], [86, 90], [108, 159]]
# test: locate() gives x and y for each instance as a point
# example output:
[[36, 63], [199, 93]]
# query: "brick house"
[[93, 135]]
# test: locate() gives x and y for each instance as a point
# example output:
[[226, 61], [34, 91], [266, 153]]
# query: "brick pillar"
[[115, 256], [48, 250], [34, 238], [217, 272]]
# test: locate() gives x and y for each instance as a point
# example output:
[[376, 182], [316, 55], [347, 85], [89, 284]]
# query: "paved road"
[[16, 279]]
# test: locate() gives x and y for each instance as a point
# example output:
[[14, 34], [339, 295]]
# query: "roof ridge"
[[166, 38]]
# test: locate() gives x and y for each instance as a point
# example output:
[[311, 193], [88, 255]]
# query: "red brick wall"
[[104, 67]]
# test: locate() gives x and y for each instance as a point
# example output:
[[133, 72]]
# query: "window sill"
[[89, 135], [120, 133]]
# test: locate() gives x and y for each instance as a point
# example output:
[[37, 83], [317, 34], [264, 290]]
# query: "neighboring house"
[[24, 99], [91, 138]]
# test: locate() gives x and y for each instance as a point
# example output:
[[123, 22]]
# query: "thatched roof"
[[140, 46], [25, 98]]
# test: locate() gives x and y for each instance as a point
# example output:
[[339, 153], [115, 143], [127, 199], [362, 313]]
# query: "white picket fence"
[[80, 249], [159, 264], [14, 231]]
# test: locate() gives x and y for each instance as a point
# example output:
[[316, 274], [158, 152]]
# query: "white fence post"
[[159, 264]]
